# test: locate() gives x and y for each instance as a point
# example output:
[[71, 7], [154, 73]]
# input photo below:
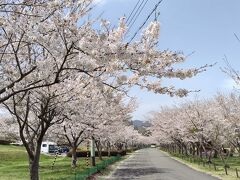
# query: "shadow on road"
[[137, 172]]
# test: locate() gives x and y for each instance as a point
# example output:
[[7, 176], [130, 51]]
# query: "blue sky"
[[206, 27]]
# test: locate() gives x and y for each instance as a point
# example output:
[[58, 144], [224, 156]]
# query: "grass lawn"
[[233, 162], [14, 165]]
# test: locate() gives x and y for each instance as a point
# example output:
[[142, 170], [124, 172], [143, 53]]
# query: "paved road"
[[152, 164]]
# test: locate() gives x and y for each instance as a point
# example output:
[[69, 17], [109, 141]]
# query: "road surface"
[[152, 164]]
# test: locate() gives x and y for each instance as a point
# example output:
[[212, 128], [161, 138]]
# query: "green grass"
[[107, 171], [196, 163], [14, 165]]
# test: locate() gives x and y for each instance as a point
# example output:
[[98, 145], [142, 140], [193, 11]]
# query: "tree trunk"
[[74, 157], [100, 153], [99, 149], [179, 149], [185, 150], [210, 156], [215, 154], [125, 147], [182, 149], [34, 163], [193, 149], [109, 149], [119, 146], [197, 150], [205, 151], [33, 168], [200, 151]]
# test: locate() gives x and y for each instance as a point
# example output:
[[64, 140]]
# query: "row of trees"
[[200, 127], [60, 74]]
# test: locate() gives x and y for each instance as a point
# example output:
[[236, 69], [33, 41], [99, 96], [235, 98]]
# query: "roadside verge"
[[205, 168]]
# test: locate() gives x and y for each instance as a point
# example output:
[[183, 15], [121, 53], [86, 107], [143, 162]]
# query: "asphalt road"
[[152, 164]]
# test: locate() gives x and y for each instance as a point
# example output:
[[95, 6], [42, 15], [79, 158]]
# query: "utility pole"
[[93, 151]]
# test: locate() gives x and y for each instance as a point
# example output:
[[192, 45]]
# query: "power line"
[[130, 26], [133, 11], [154, 9], [140, 7], [134, 14]]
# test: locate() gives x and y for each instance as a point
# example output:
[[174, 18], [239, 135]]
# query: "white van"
[[48, 147], [153, 146]]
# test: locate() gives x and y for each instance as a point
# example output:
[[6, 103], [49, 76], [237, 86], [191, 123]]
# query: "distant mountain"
[[141, 126], [138, 123]]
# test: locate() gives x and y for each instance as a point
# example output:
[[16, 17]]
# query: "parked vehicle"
[[48, 147], [63, 149], [17, 143], [153, 146]]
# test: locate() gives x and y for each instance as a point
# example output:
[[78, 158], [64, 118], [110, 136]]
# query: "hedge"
[[83, 175], [4, 142], [104, 153]]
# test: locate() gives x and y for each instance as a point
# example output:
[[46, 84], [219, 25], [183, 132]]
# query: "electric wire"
[[133, 11], [133, 22], [148, 17]]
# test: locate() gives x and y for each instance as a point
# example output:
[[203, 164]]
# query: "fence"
[[82, 175]]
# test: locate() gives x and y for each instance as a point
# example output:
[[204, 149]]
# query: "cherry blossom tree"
[[46, 44], [88, 114], [229, 105], [115, 119], [9, 129], [82, 115], [41, 41], [199, 126], [35, 112], [37, 43]]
